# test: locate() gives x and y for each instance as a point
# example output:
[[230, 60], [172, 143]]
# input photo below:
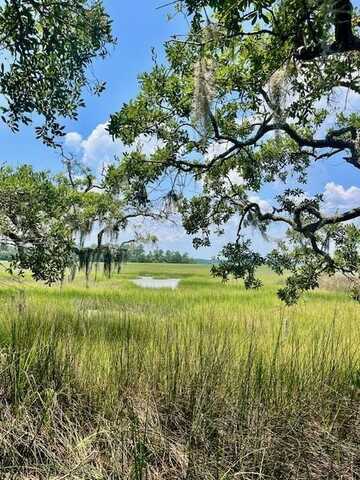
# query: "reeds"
[[207, 382]]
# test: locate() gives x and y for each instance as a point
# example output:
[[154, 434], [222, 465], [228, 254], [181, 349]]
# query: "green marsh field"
[[207, 381]]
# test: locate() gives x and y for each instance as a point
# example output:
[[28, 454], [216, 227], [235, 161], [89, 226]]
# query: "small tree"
[[47, 220], [243, 101], [34, 221]]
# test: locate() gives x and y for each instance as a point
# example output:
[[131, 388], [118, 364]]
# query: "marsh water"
[[150, 282]]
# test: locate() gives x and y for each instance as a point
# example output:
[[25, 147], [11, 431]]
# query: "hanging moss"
[[108, 260], [120, 255], [112, 258], [86, 257], [73, 268]]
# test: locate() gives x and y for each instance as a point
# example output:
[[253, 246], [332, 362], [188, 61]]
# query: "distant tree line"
[[135, 254], [139, 255]]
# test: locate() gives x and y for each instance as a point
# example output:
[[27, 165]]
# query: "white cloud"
[[235, 178], [263, 204], [339, 198], [147, 145], [73, 140], [100, 149], [170, 234], [216, 149]]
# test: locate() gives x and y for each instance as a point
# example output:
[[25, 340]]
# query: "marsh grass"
[[206, 382]]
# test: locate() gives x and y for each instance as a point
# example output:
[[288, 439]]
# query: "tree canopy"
[[33, 214], [244, 101], [46, 49], [45, 220]]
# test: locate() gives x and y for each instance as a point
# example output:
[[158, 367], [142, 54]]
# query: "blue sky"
[[140, 25]]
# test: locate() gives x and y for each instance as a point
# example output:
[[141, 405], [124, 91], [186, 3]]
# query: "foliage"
[[34, 218], [47, 47], [241, 262], [245, 101], [47, 220]]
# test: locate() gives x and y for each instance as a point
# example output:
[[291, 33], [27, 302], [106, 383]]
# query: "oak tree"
[[244, 100], [46, 220]]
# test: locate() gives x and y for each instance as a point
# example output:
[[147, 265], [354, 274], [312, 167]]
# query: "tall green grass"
[[206, 382]]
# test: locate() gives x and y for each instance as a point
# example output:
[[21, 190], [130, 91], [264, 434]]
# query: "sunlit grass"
[[206, 381]]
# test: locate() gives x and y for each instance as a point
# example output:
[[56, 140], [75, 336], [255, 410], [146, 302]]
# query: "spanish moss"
[[111, 257]]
